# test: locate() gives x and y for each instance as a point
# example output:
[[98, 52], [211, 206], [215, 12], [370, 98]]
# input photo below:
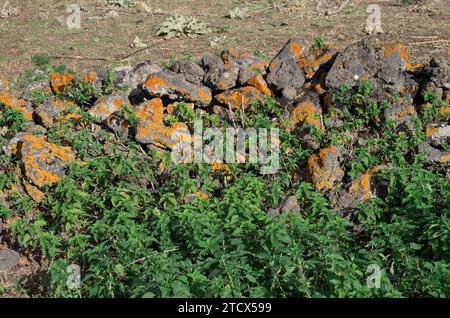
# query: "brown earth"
[[266, 27]]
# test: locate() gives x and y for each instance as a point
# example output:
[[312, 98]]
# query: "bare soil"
[[268, 24]]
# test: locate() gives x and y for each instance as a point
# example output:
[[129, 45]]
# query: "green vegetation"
[[129, 219]]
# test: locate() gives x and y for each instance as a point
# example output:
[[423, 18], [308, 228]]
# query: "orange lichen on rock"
[[219, 166], [36, 194], [174, 85], [58, 82], [305, 112], [201, 195], [7, 99], [430, 130], [240, 97], [310, 63], [43, 162], [445, 158], [151, 130], [107, 106], [324, 169], [400, 49], [258, 82], [54, 109]]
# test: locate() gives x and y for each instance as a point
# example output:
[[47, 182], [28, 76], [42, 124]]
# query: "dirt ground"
[[103, 41]]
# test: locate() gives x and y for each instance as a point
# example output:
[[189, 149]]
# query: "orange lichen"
[[105, 107], [35, 152], [58, 82], [258, 82], [323, 168], [361, 187], [240, 98], [447, 96], [430, 130], [400, 48], [305, 112], [296, 49], [151, 128], [193, 93], [218, 166], [201, 195], [36, 194], [20, 105], [445, 159]]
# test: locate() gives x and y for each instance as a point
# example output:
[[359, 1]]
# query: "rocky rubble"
[[301, 80]]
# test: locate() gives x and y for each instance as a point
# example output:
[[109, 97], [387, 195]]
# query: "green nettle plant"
[[137, 230]]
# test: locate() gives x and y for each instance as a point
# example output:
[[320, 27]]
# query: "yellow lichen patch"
[[258, 82], [59, 81], [201, 195], [36, 194], [324, 169], [240, 98], [430, 130], [43, 162], [218, 166], [305, 112], [445, 159], [400, 48]]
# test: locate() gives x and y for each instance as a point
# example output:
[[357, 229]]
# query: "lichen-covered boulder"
[[434, 155], [192, 72], [217, 75], [286, 75], [58, 82], [359, 61], [247, 65], [438, 135], [240, 97], [151, 129], [362, 188], [8, 99], [257, 81], [306, 112], [136, 76], [174, 86], [436, 78], [43, 163], [394, 63], [108, 105], [311, 61], [402, 113], [324, 169], [53, 109], [232, 68]]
